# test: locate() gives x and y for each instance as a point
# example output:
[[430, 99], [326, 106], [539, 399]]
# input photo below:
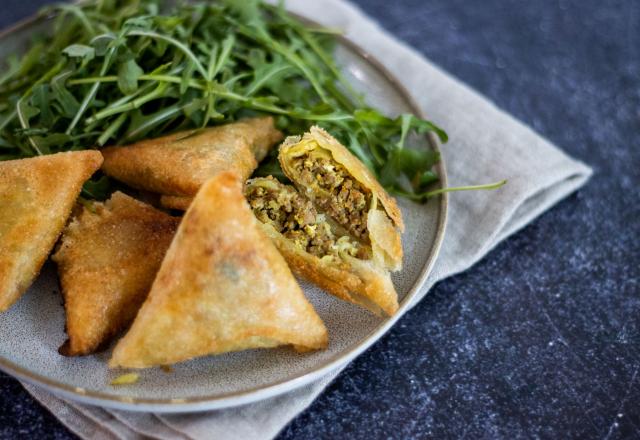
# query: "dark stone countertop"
[[541, 339]]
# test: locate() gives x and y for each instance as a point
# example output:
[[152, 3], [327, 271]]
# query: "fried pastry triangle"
[[178, 164], [107, 260], [336, 226], [180, 203], [222, 287], [36, 198]]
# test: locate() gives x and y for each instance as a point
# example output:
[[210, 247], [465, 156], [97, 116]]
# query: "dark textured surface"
[[541, 339]]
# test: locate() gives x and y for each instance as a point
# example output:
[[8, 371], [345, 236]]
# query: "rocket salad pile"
[[116, 71]]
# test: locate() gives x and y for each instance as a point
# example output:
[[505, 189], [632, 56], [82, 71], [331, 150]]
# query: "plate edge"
[[205, 403]]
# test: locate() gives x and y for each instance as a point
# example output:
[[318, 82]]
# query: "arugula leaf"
[[97, 188], [268, 74], [41, 100], [27, 111], [22, 68], [412, 164], [68, 103], [421, 126], [128, 75], [87, 53]]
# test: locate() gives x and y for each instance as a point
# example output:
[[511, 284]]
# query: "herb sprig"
[[116, 71]]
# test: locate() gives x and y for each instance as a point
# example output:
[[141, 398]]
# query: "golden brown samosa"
[[339, 228], [36, 198], [222, 287], [178, 164], [107, 260], [180, 203]]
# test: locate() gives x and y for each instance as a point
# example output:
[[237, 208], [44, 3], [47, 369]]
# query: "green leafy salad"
[[117, 71]]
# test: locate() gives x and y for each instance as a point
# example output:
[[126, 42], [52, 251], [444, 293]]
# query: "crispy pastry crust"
[[222, 287], [384, 230], [353, 280], [36, 198], [178, 164], [180, 203], [107, 260]]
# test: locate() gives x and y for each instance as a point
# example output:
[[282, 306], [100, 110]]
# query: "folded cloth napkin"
[[485, 145]]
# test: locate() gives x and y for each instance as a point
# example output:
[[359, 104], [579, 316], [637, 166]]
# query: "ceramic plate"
[[33, 329]]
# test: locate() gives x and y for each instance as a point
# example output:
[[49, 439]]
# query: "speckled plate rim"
[[227, 400]]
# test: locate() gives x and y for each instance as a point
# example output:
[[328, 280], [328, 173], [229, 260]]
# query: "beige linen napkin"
[[486, 145]]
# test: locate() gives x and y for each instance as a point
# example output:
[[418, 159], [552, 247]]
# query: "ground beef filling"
[[345, 199], [297, 219]]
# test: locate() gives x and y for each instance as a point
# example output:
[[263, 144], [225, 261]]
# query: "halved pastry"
[[340, 229], [36, 198], [178, 164], [107, 260], [222, 287], [342, 186], [319, 249]]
